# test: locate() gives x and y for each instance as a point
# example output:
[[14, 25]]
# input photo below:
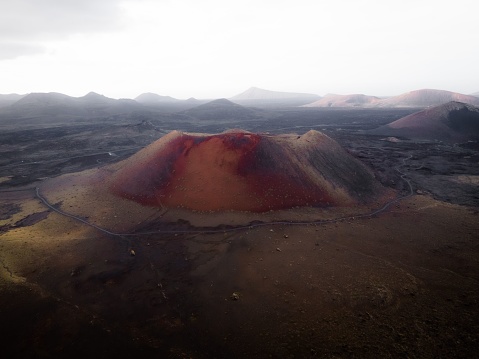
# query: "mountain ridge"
[[426, 98]]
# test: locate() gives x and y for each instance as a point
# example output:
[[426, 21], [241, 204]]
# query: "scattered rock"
[[279, 250], [235, 296], [75, 271], [132, 252]]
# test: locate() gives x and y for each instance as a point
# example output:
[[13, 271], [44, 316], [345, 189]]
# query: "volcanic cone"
[[238, 170]]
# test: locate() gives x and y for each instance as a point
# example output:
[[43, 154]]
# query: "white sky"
[[218, 48]]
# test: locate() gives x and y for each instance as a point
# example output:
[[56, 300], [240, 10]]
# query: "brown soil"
[[404, 283]]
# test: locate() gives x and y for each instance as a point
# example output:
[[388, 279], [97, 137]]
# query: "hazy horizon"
[[218, 49], [222, 97]]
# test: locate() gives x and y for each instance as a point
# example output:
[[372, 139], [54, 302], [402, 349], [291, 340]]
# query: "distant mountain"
[[42, 100], [94, 98], [153, 98], [475, 94], [415, 99], [355, 100], [426, 98], [450, 122], [223, 109], [52, 105], [257, 97], [7, 100], [167, 104], [54, 99]]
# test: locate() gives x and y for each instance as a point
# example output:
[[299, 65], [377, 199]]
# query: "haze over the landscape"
[[214, 48]]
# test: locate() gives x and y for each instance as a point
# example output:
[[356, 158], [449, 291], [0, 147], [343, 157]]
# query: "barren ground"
[[403, 283]]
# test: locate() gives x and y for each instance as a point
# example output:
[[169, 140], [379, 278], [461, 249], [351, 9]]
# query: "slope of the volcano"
[[238, 170], [451, 122]]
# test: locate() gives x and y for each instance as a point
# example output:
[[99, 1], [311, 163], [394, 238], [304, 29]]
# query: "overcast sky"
[[218, 48]]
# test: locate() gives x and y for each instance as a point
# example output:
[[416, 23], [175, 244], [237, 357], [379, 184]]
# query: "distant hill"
[[354, 100], [167, 104], [475, 94], [52, 105], [415, 99], [94, 98], [153, 98], [54, 99], [7, 100], [426, 98], [194, 100], [223, 109], [44, 99], [255, 96], [450, 122]]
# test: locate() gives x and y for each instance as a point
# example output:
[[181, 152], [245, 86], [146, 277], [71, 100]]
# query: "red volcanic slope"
[[243, 171]]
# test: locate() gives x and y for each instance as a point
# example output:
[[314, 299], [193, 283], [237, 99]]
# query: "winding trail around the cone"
[[69, 215], [237, 228]]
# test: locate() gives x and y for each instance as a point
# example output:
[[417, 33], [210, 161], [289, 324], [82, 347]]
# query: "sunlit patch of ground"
[[5, 179], [466, 179]]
